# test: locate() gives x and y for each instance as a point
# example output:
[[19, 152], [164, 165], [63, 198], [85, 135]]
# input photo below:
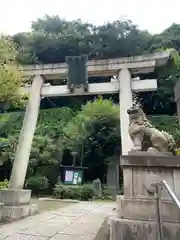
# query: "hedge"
[[80, 192]]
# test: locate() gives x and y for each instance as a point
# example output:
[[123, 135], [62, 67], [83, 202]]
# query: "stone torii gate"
[[123, 68], [16, 198]]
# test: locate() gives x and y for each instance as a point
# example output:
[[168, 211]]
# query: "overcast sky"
[[155, 15]]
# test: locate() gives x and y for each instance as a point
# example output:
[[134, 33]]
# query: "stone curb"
[[59, 200]]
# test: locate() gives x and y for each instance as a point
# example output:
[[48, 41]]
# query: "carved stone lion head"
[[136, 115], [134, 112]]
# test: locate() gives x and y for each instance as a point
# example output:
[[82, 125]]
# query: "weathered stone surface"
[[143, 159], [140, 170], [16, 204], [79, 221], [136, 210], [25, 237], [10, 213], [145, 209], [13, 197], [143, 153], [123, 229], [65, 237], [3, 236]]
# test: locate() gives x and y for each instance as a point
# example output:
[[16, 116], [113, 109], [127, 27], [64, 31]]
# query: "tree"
[[10, 83], [94, 135], [10, 76], [43, 160], [53, 38]]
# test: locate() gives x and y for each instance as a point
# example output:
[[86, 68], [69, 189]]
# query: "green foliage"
[[43, 160], [43, 150], [50, 121], [109, 192], [178, 151], [84, 192], [66, 192], [37, 184], [87, 192], [4, 184], [97, 127], [64, 38], [93, 134], [166, 123], [10, 77]]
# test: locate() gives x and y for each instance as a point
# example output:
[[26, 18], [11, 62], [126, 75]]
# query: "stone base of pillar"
[[15, 204], [145, 209], [123, 229], [1, 210]]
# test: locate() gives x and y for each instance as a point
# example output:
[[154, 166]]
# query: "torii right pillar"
[[125, 99]]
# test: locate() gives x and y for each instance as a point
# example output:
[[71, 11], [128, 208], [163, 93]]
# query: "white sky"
[[155, 15]]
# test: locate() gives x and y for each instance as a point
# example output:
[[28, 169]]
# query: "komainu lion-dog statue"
[[145, 137]]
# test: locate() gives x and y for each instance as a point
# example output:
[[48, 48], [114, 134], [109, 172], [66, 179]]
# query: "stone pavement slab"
[[79, 221]]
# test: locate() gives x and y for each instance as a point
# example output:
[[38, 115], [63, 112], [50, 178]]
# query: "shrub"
[[87, 192], [37, 184], [83, 192], [4, 184], [109, 192], [66, 192], [58, 191]]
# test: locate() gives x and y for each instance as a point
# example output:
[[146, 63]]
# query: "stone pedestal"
[[15, 204], [136, 211]]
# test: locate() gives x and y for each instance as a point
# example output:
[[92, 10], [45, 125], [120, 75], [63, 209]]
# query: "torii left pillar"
[[15, 198], [26, 136]]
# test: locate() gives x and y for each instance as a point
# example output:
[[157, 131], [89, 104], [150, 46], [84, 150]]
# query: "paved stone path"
[[79, 221]]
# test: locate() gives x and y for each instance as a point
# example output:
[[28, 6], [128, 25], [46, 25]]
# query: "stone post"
[[26, 136], [125, 101]]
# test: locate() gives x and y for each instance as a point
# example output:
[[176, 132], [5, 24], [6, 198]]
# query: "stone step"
[[11, 213]]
